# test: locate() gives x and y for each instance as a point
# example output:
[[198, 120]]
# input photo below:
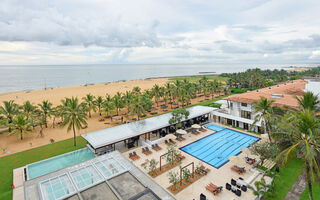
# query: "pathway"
[[297, 189]]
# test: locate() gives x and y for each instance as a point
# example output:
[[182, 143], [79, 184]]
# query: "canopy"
[[196, 126], [170, 136], [181, 131], [237, 160]]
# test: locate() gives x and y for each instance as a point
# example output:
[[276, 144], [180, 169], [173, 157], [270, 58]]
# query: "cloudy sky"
[[162, 31]]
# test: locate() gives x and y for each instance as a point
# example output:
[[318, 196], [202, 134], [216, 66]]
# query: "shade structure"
[[181, 131], [196, 126], [170, 136], [237, 161]]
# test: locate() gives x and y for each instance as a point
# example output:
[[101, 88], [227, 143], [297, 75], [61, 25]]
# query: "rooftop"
[[125, 131], [110, 176], [283, 94]]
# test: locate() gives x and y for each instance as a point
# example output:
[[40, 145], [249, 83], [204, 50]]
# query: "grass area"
[[198, 77], [10, 162], [315, 192], [288, 177]]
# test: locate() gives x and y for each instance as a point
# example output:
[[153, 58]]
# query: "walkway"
[[297, 189]]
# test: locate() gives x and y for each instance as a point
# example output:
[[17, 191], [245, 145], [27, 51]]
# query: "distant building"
[[238, 110]]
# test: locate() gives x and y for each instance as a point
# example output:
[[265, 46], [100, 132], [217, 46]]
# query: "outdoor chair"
[[156, 147], [238, 193], [203, 197], [250, 161], [244, 188], [135, 155], [233, 182], [228, 186], [213, 188], [148, 151]]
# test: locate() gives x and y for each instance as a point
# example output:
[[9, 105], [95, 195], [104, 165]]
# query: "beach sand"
[[11, 144]]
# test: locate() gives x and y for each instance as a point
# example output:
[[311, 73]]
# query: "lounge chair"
[[202, 129], [148, 151], [250, 161], [239, 170], [156, 147], [180, 138], [214, 189], [171, 141], [135, 155], [166, 141]]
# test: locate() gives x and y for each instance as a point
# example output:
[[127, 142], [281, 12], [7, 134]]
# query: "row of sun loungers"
[[156, 147], [146, 151], [171, 142], [239, 170]]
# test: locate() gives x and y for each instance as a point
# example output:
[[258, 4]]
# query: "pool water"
[[216, 148], [58, 162]]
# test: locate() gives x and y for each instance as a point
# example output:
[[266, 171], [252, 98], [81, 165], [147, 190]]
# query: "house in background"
[[238, 110]]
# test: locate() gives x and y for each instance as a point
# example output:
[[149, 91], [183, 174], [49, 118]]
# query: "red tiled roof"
[[288, 92]]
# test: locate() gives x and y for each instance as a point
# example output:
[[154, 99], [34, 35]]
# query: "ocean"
[[21, 78]]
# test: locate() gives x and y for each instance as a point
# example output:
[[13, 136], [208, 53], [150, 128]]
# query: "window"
[[244, 104], [231, 105], [245, 114]]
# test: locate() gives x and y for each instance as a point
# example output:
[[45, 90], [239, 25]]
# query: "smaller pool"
[[215, 127], [58, 162]]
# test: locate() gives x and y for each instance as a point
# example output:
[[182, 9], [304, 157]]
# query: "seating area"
[[239, 186], [133, 156], [213, 188], [146, 151], [156, 147]]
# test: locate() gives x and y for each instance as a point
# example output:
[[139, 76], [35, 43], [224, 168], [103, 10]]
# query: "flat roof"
[[110, 175], [125, 131], [287, 92]]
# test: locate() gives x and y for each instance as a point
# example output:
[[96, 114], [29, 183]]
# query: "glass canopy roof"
[[125, 131], [80, 177]]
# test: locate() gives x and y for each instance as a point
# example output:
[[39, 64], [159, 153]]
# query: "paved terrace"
[[217, 176]]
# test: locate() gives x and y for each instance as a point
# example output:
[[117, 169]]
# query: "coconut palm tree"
[[107, 107], [90, 104], [303, 131], [46, 109], [28, 108], [98, 103], [20, 125], [74, 116], [263, 111], [309, 101], [117, 102], [136, 106], [156, 90], [127, 99], [8, 111]]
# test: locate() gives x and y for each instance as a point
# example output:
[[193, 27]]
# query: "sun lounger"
[[202, 129], [133, 156], [239, 170], [146, 151], [171, 141], [214, 189], [203, 197], [156, 147], [250, 161], [180, 138]]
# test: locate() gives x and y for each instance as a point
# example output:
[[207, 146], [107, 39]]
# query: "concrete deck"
[[18, 179], [217, 176]]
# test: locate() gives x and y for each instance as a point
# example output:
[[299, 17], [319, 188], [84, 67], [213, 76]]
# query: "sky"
[[47, 32]]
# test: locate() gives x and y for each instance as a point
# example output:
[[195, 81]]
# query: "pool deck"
[[217, 176], [18, 179]]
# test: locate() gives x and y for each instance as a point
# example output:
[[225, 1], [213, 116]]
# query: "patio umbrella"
[[237, 160], [170, 136], [181, 131], [246, 151], [196, 126]]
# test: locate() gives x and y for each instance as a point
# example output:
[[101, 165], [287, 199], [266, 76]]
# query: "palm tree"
[[20, 125], [9, 110], [117, 102], [74, 116], [98, 102], [137, 107], [127, 99], [156, 90], [45, 108], [302, 129], [90, 105], [263, 111], [107, 107], [28, 109], [309, 101]]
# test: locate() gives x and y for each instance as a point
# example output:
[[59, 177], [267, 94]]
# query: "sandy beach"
[[11, 144]]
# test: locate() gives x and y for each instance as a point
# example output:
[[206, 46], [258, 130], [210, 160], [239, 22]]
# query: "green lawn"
[[10, 162], [198, 77], [315, 192], [288, 177]]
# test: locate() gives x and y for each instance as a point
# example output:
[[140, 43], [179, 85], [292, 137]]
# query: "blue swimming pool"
[[58, 162], [216, 148]]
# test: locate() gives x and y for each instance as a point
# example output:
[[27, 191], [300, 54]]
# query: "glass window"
[[86, 176], [244, 104], [57, 187]]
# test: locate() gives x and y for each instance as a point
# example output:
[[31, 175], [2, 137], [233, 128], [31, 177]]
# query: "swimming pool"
[[216, 148], [58, 162]]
